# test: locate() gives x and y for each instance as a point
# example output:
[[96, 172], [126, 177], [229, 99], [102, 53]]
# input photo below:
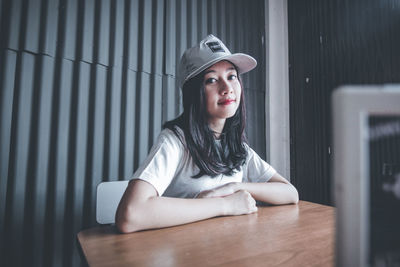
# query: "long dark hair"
[[210, 158]]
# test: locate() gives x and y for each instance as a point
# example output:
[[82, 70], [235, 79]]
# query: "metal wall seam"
[[181, 28], [87, 27], [8, 69], [39, 160], [104, 30], [142, 118], [7, 74], [190, 11], [77, 159], [144, 38], [202, 18], [71, 13], [157, 37], [19, 152], [170, 38], [14, 21], [113, 127], [32, 37], [130, 122], [58, 173]]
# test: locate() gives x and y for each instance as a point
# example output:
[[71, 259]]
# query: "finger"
[[204, 194]]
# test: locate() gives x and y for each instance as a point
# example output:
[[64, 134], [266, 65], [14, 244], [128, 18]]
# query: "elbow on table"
[[124, 227], [126, 221], [295, 199]]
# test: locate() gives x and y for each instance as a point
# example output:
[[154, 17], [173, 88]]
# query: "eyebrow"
[[228, 69]]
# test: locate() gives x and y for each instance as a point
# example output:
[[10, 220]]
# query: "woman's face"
[[222, 91]]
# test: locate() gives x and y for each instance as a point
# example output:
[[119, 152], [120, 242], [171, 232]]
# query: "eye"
[[232, 77], [210, 80]]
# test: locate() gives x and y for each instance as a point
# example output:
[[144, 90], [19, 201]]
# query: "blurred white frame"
[[352, 106]]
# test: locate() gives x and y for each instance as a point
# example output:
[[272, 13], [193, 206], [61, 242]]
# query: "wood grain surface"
[[290, 235]]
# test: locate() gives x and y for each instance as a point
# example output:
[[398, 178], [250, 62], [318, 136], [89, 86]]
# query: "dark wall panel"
[[7, 85], [332, 43], [85, 89]]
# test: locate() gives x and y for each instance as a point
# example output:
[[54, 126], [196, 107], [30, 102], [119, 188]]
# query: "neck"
[[217, 126]]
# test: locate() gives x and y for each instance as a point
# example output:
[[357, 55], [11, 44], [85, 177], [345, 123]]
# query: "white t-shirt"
[[169, 168]]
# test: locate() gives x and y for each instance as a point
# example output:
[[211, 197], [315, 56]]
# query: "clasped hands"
[[237, 200]]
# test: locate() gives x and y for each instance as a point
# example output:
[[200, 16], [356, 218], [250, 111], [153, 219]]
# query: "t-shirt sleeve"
[[162, 162], [255, 169]]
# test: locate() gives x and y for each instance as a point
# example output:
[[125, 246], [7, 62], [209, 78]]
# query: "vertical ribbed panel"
[[332, 43], [85, 89]]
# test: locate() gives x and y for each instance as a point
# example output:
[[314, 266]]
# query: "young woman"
[[201, 167]]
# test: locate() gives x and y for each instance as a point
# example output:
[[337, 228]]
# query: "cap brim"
[[243, 62]]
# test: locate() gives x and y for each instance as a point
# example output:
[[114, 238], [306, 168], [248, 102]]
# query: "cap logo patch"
[[215, 47]]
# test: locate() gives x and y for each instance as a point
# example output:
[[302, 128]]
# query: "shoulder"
[[249, 150], [252, 155], [171, 137], [166, 148]]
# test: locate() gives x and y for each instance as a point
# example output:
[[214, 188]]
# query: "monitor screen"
[[384, 177]]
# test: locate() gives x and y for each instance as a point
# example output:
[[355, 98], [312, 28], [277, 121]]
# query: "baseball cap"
[[208, 52]]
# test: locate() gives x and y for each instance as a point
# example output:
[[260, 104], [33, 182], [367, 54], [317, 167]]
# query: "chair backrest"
[[108, 196]]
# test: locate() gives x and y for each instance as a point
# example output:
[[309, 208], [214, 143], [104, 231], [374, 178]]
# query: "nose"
[[225, 87]]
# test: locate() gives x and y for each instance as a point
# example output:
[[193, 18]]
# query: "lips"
[[226, 101]]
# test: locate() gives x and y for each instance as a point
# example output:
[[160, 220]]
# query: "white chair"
[[108, 196]]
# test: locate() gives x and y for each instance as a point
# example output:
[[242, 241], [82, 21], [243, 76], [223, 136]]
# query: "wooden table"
[[290, 235]]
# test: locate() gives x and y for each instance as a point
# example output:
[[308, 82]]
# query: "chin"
[[225, 113], [228, 115]]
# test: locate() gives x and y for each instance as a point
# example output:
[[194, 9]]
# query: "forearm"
[[271, 192], [158, 212]]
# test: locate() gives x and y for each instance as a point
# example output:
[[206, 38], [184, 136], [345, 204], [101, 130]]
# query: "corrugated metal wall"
[[85, 88]]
